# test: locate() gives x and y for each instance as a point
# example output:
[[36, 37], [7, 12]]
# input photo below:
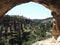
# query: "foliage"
[[23, 31]]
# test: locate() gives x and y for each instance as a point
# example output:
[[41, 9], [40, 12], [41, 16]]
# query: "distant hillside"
[[47, 19], [43, 20], [36, 20]]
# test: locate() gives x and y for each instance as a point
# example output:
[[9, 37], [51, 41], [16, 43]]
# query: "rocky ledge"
[[49, 41]]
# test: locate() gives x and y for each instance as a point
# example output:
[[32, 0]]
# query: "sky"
[[30, 10]]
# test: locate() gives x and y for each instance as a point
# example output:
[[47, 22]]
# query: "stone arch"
[[53, 5], [6, 5]]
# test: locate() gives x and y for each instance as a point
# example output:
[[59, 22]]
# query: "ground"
[[49, 41]]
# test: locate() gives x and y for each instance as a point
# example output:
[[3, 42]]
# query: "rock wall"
[[6, 5]]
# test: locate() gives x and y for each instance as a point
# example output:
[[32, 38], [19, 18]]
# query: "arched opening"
[[33, 27], [51, 4], [31, 10]]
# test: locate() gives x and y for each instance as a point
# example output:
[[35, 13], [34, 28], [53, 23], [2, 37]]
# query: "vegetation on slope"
[[23, 31]]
